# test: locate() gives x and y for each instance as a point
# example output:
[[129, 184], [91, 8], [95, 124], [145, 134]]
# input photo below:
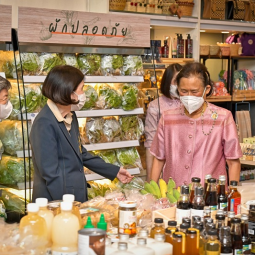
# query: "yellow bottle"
[[45, 213], [34, 226], [65, 228], [75, 210]]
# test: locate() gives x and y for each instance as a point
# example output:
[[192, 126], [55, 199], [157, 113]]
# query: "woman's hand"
[[124, 176]]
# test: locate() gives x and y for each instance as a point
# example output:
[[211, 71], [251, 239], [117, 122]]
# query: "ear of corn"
[[163, 187], [155, 188]]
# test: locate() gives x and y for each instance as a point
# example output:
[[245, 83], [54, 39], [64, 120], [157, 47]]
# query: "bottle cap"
[[102, 224], [210, 225], [168, 231], [32, 207], [159, 237], [176, 235], [220, 217], [208, 220], [222, 178], [231, 214], [41, 202], [127, 204], [212, 232], [207, 209], [143, 233], [124, 237], [89, 223], [199, 191], [233, 183], [68, 198], [141, 241], [191, 231], [158, 220], [195, 218], [195, 179], [220, 211], [188, 36], [212, 180], [184, 226], [208, 176], [122, 246], [199, 225], [244, 216], [252, 206], [235, 220], [185, 189], [172, 223], [186, 220], [66, 206]]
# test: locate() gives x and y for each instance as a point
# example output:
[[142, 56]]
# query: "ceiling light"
[[202, 31], [225, 32]]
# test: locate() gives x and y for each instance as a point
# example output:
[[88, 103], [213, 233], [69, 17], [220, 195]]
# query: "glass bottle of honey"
[[200, 226], [179, 243], [158, 227], [192, 242], [234, 198]]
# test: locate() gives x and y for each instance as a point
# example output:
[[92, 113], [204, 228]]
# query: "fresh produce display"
[[117, 65], [129, 157], [133, 65], [109, 156], [112, 129], [48, 61], [129, 97], [6, 63], [94, 130], [112, 65], [89, 64], [70, 60], [91, 97], [30, 63], [106, 65]]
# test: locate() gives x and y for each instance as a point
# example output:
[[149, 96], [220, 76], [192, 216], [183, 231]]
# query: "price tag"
[[2, 74]]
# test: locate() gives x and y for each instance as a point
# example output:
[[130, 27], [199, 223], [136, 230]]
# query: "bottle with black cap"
[[225, 239], [198, 203], [184, 227], [211, 197], [169, 236], [192, 241], [212, 245], [251, 222], [158, 227], [231, 215], [245, 237], [194, 219], [179, 243], [195, 182], [220, 222], [234, 198], [200, 226], [222, 197], [183, 205], [236, 236], [187, 220]]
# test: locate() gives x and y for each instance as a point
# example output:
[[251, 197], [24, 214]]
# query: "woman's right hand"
[[124, 176]]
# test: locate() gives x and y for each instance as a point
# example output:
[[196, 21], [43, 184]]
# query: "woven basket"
[[234, 48], [214, 50], [117, 5], [225, 50], [204, 50], [186, 7]]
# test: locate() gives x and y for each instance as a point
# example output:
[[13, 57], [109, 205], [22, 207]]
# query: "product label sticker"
[[238, 252], [91, 245], [194, 212], [223, 205], [235, 205], [127, 222], [88, 210], [180, 213], [251, 228], [214, 207], [247, 248]]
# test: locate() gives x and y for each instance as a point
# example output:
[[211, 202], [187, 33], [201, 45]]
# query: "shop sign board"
[[5, 23], [48, 26]]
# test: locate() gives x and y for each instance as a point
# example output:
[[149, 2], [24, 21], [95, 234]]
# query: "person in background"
[[5, 104], [57, 153], [168, 100], [198, 138]]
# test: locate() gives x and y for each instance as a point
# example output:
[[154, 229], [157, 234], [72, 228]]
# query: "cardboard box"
[[167, 214]]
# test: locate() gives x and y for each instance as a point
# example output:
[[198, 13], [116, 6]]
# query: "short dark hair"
[[168, 75], [4, 84], [60, 83], [196, 69]]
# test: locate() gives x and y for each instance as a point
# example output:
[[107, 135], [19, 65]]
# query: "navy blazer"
[[58, 159]]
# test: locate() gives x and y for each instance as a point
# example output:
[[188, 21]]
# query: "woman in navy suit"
[[57, 153]]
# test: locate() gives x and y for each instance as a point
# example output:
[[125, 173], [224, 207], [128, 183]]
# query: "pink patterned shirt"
[[152, 116], [188, 152]]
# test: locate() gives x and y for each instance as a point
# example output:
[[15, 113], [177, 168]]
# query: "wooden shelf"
[[247, 181], [243, 95], [247, 162], [215, 99]]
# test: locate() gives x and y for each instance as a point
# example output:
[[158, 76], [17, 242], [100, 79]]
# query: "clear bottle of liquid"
[[208, 227], [65, 228], [179, 243], [192, 242], [124, 238], [245, 237], [187, 220], [184, 227], [108, 247], [207, 177], [234, 198], [222, 196], [159, 246], [212, 245], [251, 222], [211, 197], [198, 203], [220, 222], [169, 236], [34, 225], [183, 205], [236, 236], [142, 248], [45, 213], [75, 210], [200, 226], [122, 249], [143, 233], [225, 239], [195, 182], [158, 227], [172, 225], [231, 215]]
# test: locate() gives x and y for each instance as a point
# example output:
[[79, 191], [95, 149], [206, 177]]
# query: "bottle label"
[[238, 251], [223, 206], [214, 207], [127, 222], [246, 248], [235, 205], [181, 213], [251, 228], [194, 212], [64, 253]]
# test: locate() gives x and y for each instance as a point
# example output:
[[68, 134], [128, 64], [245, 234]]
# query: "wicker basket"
[[117, 5], [186, 7], [214, 50], [234, 49], [225, 50], [204, 49]]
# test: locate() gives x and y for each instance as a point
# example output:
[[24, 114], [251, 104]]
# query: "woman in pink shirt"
[[198, 138], [168, 100]]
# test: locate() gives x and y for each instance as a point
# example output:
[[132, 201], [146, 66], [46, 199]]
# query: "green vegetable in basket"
[[91, 97], [129, 97]]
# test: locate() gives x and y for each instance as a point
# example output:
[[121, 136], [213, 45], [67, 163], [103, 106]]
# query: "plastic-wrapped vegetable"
[[133, 65], [70, 60], [106, 65], [112, 130], [117, 65], [12, 170], [132, 127], [91, 97], [30, 63], [11, 136], [129, 157], [6, 63], [109, 156], [1, 148], [129, 97], [108, 97], [94, 130], [48, 61], [89, 64]]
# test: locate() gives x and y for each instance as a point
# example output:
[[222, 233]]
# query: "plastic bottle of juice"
[[172, 225], [158, 227], [143, 233], [141, 248], [179, 243], [124, 238], [122, 249], [212, 245], [192, 241], [65, 231], [45, 213], [200, 226], [75, 210], [34, 225], [108, 247], [169, 236], [160, 247]]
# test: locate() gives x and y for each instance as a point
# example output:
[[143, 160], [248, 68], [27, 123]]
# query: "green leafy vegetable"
[[71, 60], [128, 157], [91, 97], [117, 61], [133, 65], [112, 130], [106, 65], [129, 97], [30, 63], [109, 156], [8, 68], [89, 64], [48, 61]]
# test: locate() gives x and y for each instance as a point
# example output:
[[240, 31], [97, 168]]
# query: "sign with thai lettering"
[[5, 23], [82, 28]]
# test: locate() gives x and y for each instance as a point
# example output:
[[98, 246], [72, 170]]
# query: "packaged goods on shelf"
[[91, 97], [133, 65], [129, 157], [112, 65], [6, 63], [243, 80], [94, 130], [129, 96], [219, 89], [89, 64], [48, 61], [70, 60], [30, 63], [109, 156], [112, 129]]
